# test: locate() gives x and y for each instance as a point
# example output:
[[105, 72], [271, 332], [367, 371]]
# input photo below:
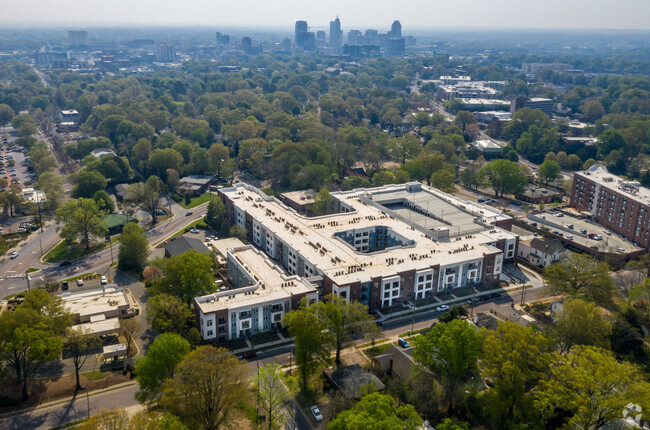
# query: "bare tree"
[[79, 344]]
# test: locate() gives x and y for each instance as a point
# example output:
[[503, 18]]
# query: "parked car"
[[569, 236], [249, 354], [472, 300], [104, 281], [559, 214], [160, 213], [64, 285], [189, 213], [401, 342], [442, 308], [607, 232], [316, 412], [194, 231], [484, 298], [583, 231], [14, 254], [481, 200], [621, 250], [80, 282], [495, 295]]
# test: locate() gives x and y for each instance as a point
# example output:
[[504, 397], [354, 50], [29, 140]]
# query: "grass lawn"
[[203, 198], [32, 269], [62, 251], [95, 375], [376, 350]]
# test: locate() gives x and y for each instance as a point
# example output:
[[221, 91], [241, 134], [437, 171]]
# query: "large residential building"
[[262, 293], [617, 204], [77, 39], [382, 246]]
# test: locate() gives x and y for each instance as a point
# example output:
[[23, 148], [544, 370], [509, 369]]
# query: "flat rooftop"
[[313, 237], [599, 174], [273, 284], [94, 302]]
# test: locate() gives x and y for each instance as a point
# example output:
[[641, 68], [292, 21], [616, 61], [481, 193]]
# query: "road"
[[73, 410]]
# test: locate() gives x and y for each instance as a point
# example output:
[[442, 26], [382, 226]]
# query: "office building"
[[77, 39], [223, 39], [336, 35], [321, 37], [301, 30], [619, 205], [395, 29], [396, 46], [545, 105], [534, 68], [166, 53], [380, 246]]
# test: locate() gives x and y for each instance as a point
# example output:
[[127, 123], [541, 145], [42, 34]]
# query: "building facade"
[[381, 246], [617, 204]]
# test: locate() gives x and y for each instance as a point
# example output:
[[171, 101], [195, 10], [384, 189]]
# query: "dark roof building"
[[182, 244], [350, 379], [395, 362], [538, 195]]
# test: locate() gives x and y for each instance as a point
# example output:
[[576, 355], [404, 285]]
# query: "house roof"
[[121, 190], [350, 379], [547, 246], [182, 244], [403, 362]]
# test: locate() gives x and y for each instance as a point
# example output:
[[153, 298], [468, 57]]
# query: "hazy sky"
[[497, 14]]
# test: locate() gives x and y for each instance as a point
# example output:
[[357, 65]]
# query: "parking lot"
[[580, 231], [16, 173]]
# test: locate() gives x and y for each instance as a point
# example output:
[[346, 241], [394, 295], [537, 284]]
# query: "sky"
[[358, 14]]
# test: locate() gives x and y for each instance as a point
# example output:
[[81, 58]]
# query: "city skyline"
[[497, 15]]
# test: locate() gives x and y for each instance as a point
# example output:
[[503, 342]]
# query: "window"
[[222, 321], [209, 324], [210, 332], [222, 330]]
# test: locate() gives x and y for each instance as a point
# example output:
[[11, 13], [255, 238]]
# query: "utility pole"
[[110, 241], [27, 277]]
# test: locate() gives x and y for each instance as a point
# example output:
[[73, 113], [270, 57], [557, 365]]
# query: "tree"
[[591, 387], [186, 276], [463, 119], [580, 275], [207, 386], [641, 295], [31, 335], [134, 248], [593, 110], [504, 176], [451, 424], [173, 180], [52, 185], [549, 171], [444, 181], [311, 339], [81, 218], [471, 177], [521, 121], [405, 147], [342, 319], [610, 140], [322, 202], [12, 200], [79, 343], [164, 354], [116, 419], [272, 389], [515, 358], [451, 351], [129, 328], [147, 195], [88, 182], [168, 314], [162, 159], [6, 114], [581, 323], [104, 201], [377, 411], [216, 214]]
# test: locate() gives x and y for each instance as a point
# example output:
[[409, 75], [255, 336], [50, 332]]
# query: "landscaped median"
[[63, 251]]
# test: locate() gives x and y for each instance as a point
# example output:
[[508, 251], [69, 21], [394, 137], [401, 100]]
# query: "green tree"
[[470, 176], [88, 182], [79, 344], [593, 110], [216, 214], [641, 294], [377, 411], [208, 384], [581, 323], [147, 195], [134, 248], [164, 354], [580, 275], [515, 358], [52, 185], [549, 171], [81, 218], [463, 119], [322, 202], [168, 314], [186, 276], [6, 114], [451, 424], [129, 328], [311, 339], [405, 147], [273, 389], [162, 159], [608, 141], [342, 319], [504, 177], [592, 387], [444, 181], [451, 351], [104, 201], [522, 120], [12, 200]]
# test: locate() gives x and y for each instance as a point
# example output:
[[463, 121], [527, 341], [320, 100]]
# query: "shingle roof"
[[548, 246], [350, 379], [182, 244]]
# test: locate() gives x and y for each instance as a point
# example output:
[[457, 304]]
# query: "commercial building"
[[166, 53], [395, 29], [262, 293], [380, 246], [545, 105], [486, 148], [336, 35], [98, 311], [538, 195], [77, 39], [396, 46], [617, 204]]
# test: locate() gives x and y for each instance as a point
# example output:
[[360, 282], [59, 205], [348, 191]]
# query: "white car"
[[316, 412], [104, 281], [14, 254], [442, 308], [194, 231]]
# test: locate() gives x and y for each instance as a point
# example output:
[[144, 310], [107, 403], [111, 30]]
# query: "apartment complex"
[[262, 293], [617, 204], [380, 246]]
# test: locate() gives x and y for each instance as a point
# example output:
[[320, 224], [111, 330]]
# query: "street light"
[[110, 241]]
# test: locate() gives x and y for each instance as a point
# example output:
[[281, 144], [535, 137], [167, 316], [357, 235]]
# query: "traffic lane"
[[74, 410]]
